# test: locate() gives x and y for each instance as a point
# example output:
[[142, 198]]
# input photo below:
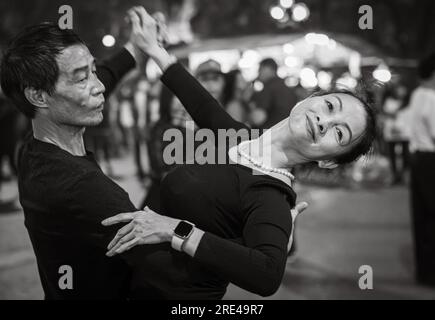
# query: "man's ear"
[[36, 97], [327, 164]]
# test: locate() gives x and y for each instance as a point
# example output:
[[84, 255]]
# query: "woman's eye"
[[340, 135], [329, 105]]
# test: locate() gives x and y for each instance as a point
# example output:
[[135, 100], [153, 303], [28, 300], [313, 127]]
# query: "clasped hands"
[[148, 33]]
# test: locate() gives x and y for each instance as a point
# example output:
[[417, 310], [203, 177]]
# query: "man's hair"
[[29, 61], [270, 63], [364, 145], [426, 67]]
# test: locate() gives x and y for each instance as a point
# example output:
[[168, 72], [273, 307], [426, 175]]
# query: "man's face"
[[78, 97], [213, 82]]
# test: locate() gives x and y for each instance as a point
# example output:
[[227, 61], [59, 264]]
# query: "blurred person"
[[403, 128], [236, 226], [173, 115], [422, 147], [275, 97], [395, 134], [129, 121], [235, 96], [211, 77], [13, 126], [125, 114], [141, 107]]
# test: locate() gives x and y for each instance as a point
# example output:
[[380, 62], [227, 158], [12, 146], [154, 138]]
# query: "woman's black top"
[[246, 217]]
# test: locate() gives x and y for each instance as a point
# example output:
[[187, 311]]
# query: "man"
[[210, 75], [422, 146], [276, 99], [52, 78]]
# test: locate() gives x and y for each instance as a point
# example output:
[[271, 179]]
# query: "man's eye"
[[329, 105]]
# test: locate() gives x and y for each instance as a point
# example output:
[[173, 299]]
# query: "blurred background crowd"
[[258, 58]]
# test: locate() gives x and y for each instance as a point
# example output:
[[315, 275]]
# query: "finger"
[[135, 21], [301, 206], [147, 210], [144, 16], [124, 247], [159, 17], [122, 217], [121, 232], [126, 238]]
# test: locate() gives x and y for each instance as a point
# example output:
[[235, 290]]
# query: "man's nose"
[[99, 87]]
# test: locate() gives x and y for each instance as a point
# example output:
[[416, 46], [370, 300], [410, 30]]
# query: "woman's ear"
[[36, 97], [327, 164]]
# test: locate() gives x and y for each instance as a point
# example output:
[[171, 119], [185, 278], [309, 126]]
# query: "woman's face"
[[325, 127]]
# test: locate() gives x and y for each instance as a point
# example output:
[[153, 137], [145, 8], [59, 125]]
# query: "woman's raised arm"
[[202, 107], [205, 110]]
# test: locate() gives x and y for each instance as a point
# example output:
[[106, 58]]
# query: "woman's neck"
[[274, 147], [68, 138]]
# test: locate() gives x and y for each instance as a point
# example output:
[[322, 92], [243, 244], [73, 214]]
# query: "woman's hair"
[[365, 142]]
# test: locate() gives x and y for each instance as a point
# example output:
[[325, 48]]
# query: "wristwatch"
[[181, 233]]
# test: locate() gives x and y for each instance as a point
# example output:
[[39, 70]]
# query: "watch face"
[[183, 229]]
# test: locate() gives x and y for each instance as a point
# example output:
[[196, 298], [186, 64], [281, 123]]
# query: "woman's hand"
[[147, 34], [299, 208], [144, 29], [145, 227]]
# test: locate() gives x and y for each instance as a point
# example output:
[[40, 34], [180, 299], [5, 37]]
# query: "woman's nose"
[[323, 123]]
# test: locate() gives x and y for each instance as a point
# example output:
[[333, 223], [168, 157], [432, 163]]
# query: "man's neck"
[[68, 138]]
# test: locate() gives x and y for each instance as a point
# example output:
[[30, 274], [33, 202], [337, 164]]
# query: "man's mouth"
[[100, 106], [310, 128]]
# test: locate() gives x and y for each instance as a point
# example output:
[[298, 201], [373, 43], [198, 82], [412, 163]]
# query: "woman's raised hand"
[[144, 32], [147, 34], [299, 208]]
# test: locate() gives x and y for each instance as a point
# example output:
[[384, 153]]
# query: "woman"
[[243, 219]]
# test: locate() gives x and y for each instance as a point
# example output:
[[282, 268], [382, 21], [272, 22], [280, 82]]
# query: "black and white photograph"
[[238, 151]]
